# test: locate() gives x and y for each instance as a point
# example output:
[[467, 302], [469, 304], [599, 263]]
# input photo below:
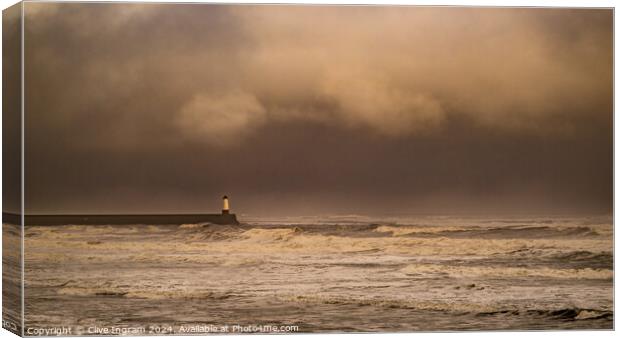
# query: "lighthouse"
[[225, 206]]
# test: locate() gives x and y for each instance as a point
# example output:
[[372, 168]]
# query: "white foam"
[[505, 272]]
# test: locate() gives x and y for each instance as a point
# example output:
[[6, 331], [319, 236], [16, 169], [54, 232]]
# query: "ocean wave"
[[290, 241], [561, 314], [459, 307], [408, 230], [489, 232], [583, 255], [505, 272], [478, 309], [533, 232], [194, 225], [143, 294], [261, 235], [337, 267], [188, 243]]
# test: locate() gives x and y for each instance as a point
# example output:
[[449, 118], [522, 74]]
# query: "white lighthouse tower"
[[226, 205]]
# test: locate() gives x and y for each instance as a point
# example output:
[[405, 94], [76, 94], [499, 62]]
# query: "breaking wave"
[[513, 273], [477, 309], [151, 294], [505, 272], [480, 232]]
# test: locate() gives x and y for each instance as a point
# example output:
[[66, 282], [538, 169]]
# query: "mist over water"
[[348, 273]]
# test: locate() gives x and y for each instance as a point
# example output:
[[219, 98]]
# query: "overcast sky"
[[313, 109]]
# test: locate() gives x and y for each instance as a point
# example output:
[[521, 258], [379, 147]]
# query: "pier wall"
[[123, 219]]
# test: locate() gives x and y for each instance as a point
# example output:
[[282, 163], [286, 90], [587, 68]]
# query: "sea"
[[347, 273]]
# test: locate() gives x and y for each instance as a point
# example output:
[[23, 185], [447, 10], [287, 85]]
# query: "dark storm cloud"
[[164, 107]]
